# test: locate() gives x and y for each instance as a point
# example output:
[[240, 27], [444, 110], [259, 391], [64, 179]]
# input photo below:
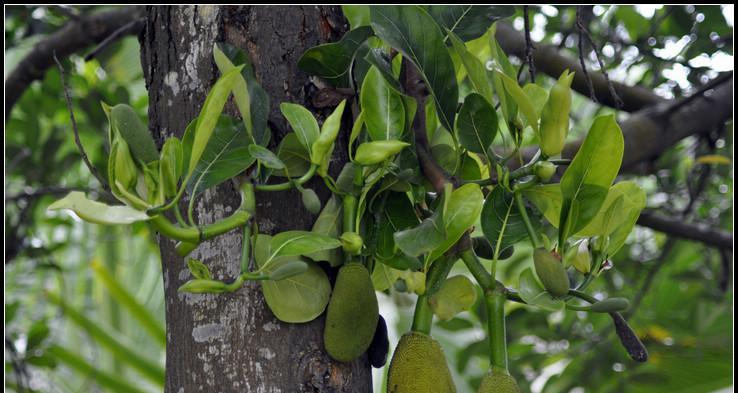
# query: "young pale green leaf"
[[199, 269], [462, 211], [455, 295], [296, 299], [414, 33], [209, 115], [423, 238], [585, 183], [537, 96], [226, 155], [371, 153], [382, 108], [329, 223], [476, 72], [294, 156], [203, 285], [612, 213], [303, 123], [266, 157], [521, 99], [125, 122], [469, 21], [288, 269], [293, 243], [357, 15], [533, 293], [328, 133], [476, 124], [240, 89], [509, 109], [384, 276], [97, 212], [547, 198], [255, 112], [332, 61], [502, 223]]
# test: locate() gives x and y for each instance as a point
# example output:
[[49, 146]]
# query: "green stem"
[[423, 316], [534, 240], [349, 213], [495, 302], [584, 296], [292, 183], [477, 270], [163, 208]]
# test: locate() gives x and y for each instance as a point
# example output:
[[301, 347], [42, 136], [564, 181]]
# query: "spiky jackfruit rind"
[[418, 365], [498, 380], [352, 314]]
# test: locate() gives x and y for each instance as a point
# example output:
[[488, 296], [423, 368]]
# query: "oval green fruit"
[[610, 305], [127, 124], [555, 116], [498, 380], [418, 365], [352, 314], [310, 200], [551, 272]]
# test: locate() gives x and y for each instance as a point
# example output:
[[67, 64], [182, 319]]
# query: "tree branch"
[[690, 231], [548, 60], [72, 37]]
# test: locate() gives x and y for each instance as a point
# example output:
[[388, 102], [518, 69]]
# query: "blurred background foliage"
[[84, 306]]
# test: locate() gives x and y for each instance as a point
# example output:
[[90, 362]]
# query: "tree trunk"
[[233, 342]]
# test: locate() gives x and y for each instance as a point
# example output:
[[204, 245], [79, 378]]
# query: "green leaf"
[[294, 156], [382, 62], [423, 238], [476, 72], [462, 211], [111, 340], [547, 198], [357, 15], [501, 62], [371, 153], [585, 183], [124, 297], [533, 293], [296, 299], [199, 269], [468, 21], [538, 97], [329, 223], [382, 108], [613, 214], [226, 155], [521, 99], [85, 369], [36, 334], [502, 223], [415, 34], [96, 212], [303, 123], [266, 157], [240, 90], [476, 124], [292, 243], [332, 61], [384, 276], [257, 110], [209, 115], [455, 295], [323, 146]]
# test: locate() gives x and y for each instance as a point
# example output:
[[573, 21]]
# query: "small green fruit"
[[551, 272], [311, 201], [544, 170], [352, 242], [352, 314], [498, 380], [418, 365]]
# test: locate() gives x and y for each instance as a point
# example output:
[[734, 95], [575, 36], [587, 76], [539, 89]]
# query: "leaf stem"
[[477, 270], [495, 302], [534, 240], [290, 184]]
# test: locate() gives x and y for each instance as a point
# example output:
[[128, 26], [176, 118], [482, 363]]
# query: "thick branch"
[[548, 60], [72, 37], [690, 231], [650, 132]]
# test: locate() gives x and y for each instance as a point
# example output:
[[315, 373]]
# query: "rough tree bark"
[[229, 343]]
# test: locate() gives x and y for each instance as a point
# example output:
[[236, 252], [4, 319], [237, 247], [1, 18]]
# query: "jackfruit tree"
[[298, 160]]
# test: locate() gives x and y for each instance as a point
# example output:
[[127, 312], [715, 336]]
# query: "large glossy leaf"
[[501, 221], [296, 299], [332, 61], [415, 34], [209, 115], [468, 21], [533, 293], [476, 72], [329, 223], [381, 60], [226, 155], [547, 198], [254, 110], [423, 238], [266, 157], [501, 62], [476, 124], [462, 211], [357, 15], [97, 212], [382, 108], [294, 156], [303, 123], [585, 183]]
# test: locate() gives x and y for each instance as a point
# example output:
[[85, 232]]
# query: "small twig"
[[610, 87], [580, 28], [77, 141], [131, 27], [529, 47]]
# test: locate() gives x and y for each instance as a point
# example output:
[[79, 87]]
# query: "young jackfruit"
[[352, 314], [418, 365], [498, 380]]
